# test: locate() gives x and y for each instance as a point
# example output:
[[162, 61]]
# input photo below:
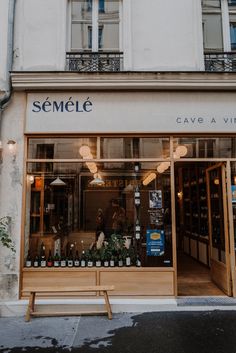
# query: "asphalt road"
[[159, 332]]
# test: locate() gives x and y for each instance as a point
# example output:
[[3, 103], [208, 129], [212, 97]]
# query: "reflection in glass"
[[212, 31], [84, 25], [135, 147], [60, 148], [211, 4], [73, 214], [218, 147]]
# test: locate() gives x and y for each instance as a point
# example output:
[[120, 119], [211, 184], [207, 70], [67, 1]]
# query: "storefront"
[[124, 188]]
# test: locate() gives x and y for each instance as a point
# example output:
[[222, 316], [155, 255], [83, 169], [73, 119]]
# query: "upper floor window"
[[95, 25], [212, 25]]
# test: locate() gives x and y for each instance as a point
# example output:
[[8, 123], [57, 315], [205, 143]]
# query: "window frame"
[[95, 39]]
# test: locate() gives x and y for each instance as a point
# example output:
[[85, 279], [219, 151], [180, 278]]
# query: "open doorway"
[[203, 267]]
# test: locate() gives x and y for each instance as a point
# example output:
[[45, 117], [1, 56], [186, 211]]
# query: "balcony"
[[220, 62], [94, 61]]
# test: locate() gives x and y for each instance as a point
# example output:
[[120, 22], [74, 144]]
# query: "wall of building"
[[3, 42], [165, 35], [11, 175], [40, 41]]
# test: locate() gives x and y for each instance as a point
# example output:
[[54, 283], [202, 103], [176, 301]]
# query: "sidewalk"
[[159, 332]]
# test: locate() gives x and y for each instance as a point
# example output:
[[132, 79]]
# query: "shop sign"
[[155, 240], [62, 106], [133, 112]]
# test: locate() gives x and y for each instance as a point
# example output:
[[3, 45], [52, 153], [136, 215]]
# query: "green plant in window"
[[5, 238]]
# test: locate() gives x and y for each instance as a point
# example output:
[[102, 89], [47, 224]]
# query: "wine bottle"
[[127, 261], [98, 262], [70, 261], [76, 261], [90, 261], [138, 261], [28, 262], [56, 261], [36, 261], [83, 259], [137, 196], [112, 261], [63, 260], [120, 261], [43, 262], [50, 260], [137, 226], [106, 262]]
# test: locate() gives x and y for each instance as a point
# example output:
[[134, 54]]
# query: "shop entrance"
[[203, 259]]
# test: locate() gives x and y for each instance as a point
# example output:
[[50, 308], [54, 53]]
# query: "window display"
[[93, 213]]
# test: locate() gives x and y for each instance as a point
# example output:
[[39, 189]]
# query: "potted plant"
[[5, 238]]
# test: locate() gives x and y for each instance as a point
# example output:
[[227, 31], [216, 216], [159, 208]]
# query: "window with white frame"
[[212, 25], [95, 25]]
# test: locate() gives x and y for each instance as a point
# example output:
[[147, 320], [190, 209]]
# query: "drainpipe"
[[10, 42]]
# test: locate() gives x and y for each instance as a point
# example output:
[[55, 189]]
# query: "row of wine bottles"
[[79, 261]]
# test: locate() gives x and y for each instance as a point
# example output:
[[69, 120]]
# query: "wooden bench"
[[104, 289]]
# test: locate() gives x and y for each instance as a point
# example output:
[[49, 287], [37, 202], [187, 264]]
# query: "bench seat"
[[33, 291]]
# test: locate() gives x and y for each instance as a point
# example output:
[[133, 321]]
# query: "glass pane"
[[81, 10], [108, 36], [101, 6], [154, 147], [218, 147], [212, 32], [81, 36], [69, 208], [232, 2], [216, 215], [233, 35], [81, 25], [108, 10], [135, 147], [211, 4], [60, 148], [108, 22]]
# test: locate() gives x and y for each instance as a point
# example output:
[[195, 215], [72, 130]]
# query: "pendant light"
[[58, 182]]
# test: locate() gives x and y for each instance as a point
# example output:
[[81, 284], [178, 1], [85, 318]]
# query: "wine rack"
[[194, 212]]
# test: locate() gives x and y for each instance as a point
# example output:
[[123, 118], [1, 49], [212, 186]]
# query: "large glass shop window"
[[90, 213]]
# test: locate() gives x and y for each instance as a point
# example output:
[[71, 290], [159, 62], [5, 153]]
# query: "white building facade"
[[148, 89]]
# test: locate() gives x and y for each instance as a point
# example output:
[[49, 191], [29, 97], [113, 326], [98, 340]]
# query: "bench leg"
[[30, 308], [108, 306]]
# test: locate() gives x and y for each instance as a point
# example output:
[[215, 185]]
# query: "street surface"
[[159, 332]]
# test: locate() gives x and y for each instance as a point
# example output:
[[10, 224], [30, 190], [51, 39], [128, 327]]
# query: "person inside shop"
[[118, 219], [115, 219], [100, 223]]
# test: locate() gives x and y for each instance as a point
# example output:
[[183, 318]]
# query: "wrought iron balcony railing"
[[94, 61], [220, 61]]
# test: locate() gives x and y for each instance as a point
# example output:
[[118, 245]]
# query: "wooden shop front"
[[121, 205]]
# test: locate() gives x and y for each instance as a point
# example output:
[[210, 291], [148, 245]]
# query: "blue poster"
[[155, 239], [233, 189]]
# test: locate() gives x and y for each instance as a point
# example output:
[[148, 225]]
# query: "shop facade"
[[151, 169]]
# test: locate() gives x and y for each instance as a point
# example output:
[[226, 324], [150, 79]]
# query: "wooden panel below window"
[[127, 281], [57, 278], [139, 282]]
